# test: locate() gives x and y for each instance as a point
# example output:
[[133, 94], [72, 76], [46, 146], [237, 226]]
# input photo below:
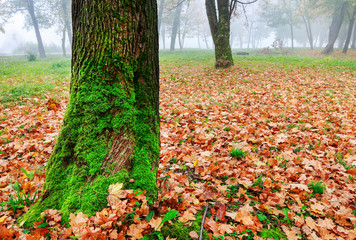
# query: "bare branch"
[[245, 2]]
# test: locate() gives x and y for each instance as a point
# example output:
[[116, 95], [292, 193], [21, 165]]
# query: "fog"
[[261, 25]]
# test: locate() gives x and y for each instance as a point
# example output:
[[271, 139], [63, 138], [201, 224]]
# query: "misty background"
[[184, 24]]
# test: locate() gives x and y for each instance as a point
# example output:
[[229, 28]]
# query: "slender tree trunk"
[[291, 30], [349, 32], [164, 36], [308, 29], [67, 21], [31, 10], [64, 43], [335, 26], [353, 45], [220, 31], [206, 41], [176, 25], [160, 13], [110, 131], [199, 37]]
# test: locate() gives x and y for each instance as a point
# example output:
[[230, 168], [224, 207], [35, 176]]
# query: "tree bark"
[[31, 11], [176, 25], [335, 26], [349, 32], [219, 23], [110, 131]]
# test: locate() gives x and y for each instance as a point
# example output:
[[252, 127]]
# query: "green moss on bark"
[[113, 105]]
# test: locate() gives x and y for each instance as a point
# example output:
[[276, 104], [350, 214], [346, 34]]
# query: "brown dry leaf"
[[311, 223], [155, 223], [291, 235], [193, 235], [188, 215], [135, 230], [78, 223]]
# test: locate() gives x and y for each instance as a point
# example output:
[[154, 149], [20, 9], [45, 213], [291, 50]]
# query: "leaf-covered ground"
[[269, 145]]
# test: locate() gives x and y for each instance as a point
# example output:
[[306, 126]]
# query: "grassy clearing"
[[21, 79]]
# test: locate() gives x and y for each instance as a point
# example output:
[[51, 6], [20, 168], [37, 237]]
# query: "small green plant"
[[238, 153], [317, 187], [258, 183], [31, 56], [29, 174], [20, 199], [275, 233], [169, 216]]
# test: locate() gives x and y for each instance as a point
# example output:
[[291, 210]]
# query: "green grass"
[[317, 187], [50, 77], [20, 78], [238, 153]]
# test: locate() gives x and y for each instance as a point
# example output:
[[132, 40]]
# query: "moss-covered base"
[[81, 197], [110, 131]]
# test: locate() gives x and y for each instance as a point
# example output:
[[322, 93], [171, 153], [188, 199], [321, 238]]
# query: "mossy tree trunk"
[[110, 132], [219, 22]]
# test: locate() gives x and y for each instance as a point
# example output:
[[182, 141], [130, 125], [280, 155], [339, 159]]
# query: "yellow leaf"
[[115, 188], [195, 163], [2, 219]]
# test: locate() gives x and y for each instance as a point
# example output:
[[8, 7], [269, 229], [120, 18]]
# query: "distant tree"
[[219, 14], [353, 45], [308, 10], [176, 23], [279, 13], [337, 20], [350, 29], [37, 14], [110, 131], [61, 10], [4, 14]]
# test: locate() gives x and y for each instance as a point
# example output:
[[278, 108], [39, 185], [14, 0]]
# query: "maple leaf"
[[78, 222], [291, 235], [155, 223], [188, 215], [221, 211], [135, 230]]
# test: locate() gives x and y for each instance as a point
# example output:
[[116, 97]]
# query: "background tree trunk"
[[349, 32], [110, 131], [353, 45], [335, 26], [220, 31], [176, 23], [160, 13], [64, 43], [31, 11], [306, 20], [67, 21]]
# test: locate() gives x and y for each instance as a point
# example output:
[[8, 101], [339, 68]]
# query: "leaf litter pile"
[[269, 150]]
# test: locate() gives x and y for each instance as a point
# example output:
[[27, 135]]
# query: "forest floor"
[[268, 145]]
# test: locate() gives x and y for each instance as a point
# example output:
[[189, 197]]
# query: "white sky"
[[16, 34]]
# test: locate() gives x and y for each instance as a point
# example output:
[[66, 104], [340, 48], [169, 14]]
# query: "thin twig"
[[202, 222], [98, 198]]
